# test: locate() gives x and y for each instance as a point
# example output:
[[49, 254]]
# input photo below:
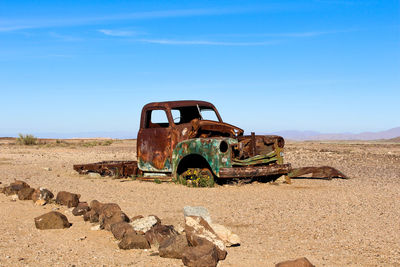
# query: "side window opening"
[[176, 116], [157, 118]]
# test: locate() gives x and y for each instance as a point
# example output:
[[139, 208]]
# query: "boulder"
[[68, 199], [159, 233], [106, 220], [81, 209], [91, 216], [132, 240], [143, 225], [199, 232], [25, 193], [300, 262], [197, 211], [200, 256], [96, 205], [42, 196], [120, 229], [226, 235], [173, 247], [14, 187], [107, 209], [52, 220]]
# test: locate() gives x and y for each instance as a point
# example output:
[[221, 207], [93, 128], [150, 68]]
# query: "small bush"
[[27, 139]]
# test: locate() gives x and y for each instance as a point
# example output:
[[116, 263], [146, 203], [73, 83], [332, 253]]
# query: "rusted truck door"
[[154, 141]]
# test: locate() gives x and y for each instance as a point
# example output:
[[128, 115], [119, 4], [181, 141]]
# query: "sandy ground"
[[333, 223]]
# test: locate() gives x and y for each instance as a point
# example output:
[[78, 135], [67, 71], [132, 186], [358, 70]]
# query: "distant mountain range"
[[291, 135], [311, 135]]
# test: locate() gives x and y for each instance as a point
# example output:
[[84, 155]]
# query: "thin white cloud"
[[288, 34], [203, 42], [63, 37], [117, 33], [13, 25]]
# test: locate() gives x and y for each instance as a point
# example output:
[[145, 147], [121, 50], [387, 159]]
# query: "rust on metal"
[[318, 172], [109, 168], [254, 171]]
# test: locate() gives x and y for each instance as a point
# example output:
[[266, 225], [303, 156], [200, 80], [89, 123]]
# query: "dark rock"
[[120, 229], [91, 216], [301, 262], [25, 193], [14, 187], [108, 209], [116, 217], [52, 220], [81, 209], [68, 199], [200, 256], [18, 185], [173, 247], [133, 241], [96, 205], [159, 233]]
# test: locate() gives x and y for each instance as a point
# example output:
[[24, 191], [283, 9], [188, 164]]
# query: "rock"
[[132, 240], [14, 187], [47, 169], [94, 175], [95, 228], [159, 233], [18, 184], [134, 218], [14, 198], [158, 219], [96, 205], [2, 190], [225, 235], [107, 221], [91, 216], [42, 196], [81, 209], [52, 220], [143, 225], [25, 193], [197, 211], [199, 232], [173, 247], [301, 262], [68, 199], [120, 229], [108, 209], [200, 256]]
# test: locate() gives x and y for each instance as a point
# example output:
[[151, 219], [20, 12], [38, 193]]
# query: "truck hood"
[[207, 128]]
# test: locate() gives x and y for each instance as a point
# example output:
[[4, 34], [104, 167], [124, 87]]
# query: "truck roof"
[[179, 103]]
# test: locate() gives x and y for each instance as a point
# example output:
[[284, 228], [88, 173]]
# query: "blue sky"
[[90, 66]]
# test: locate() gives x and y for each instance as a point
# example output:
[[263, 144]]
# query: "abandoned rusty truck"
[[188, 142]]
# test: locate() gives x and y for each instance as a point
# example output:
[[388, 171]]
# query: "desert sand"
[[352, 222]]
